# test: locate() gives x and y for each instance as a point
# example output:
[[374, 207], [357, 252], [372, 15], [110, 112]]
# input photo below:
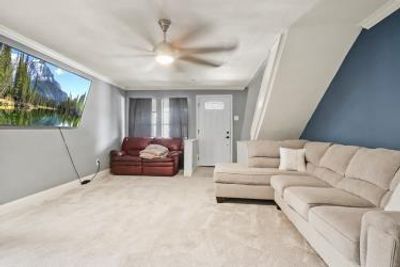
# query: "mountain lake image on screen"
[[36, 93]]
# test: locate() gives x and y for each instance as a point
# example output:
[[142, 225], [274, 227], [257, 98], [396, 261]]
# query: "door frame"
[[230, 97]]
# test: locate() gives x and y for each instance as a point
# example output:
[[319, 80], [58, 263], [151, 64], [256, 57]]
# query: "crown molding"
[[38, 47], [380, 14]]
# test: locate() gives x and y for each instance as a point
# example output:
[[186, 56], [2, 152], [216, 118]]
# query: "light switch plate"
[[236, 118]]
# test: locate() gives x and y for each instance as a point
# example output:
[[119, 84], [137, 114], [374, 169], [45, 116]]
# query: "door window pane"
[[214, 105]]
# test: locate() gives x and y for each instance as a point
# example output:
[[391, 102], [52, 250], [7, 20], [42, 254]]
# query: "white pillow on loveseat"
[[292, 159]]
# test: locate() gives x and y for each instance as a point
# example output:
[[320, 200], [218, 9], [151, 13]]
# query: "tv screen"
[[36, 93]]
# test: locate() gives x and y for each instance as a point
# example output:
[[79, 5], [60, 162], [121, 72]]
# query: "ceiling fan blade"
[[196, 31], [200, 61], [209, 49]]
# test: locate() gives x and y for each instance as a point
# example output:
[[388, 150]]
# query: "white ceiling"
[[102, 36]]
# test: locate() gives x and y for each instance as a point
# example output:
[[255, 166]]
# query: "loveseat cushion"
[[341, 227], [236, 173], [135, 143], [338, 157], [165, 159], [173, 144], [302, 199], [370, 173], [126, 159], [281, 182]]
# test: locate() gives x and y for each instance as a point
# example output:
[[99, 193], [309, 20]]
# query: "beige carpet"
[[150, 221]]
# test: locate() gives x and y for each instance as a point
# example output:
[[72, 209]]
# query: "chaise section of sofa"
[[337, 204], [234, 180], [252, 180]]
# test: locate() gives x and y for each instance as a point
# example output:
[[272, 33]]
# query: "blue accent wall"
[[362, 104]]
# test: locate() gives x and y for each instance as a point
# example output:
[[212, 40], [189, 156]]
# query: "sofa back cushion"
[[265, 153], [133, 145], [263, 162], [370, 173], [269, 148], [337, 158], [173, 144], [326, 175], [315, 151]]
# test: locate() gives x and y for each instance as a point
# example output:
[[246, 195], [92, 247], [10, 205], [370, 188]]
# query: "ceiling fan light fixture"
[[165, 59], [165, 53]]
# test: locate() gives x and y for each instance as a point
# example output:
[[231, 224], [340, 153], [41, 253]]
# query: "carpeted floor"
[[150, 221]]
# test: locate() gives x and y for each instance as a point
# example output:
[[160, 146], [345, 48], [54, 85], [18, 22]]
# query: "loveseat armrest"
[[380, 239], [115, 153], [174, 153]]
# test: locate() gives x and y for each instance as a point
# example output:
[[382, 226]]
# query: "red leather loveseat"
[[127, 160]]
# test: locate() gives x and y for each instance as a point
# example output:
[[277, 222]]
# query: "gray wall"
[[361, 106], [238, 106], [32, 160]]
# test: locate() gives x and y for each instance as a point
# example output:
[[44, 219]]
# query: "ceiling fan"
[[167, 52]]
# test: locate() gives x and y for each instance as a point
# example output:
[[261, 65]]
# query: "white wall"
[[253, 90], [314, 48]]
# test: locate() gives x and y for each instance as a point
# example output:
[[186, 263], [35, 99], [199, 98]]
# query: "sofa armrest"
[[115, 153], [380, 239], [242, 152]]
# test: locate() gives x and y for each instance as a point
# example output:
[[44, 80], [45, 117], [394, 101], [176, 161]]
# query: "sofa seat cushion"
[[235, 173], [341, 227], [281, 182], [302, 199]]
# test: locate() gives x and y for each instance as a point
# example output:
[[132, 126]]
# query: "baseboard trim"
[[40, 197]]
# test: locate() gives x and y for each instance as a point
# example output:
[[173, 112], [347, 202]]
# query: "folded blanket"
[[154, 151], [145, 155]]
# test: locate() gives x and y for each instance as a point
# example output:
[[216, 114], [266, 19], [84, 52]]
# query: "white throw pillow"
[[292, 159], [394, 201]]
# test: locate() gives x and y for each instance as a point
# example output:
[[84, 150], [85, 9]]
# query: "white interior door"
[[214, 129]]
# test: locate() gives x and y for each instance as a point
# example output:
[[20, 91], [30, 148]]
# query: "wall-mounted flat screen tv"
[[36, 93]]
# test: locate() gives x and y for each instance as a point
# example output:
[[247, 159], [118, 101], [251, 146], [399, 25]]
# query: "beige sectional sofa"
[[337, 204]]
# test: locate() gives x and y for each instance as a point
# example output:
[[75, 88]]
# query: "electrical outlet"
[[97, 162]]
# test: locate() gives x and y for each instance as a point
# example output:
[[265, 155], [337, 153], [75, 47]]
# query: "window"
[[166, 117], [154, 117]]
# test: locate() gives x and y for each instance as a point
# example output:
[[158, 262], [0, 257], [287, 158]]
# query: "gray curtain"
[[178, 117], [140, 117]]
